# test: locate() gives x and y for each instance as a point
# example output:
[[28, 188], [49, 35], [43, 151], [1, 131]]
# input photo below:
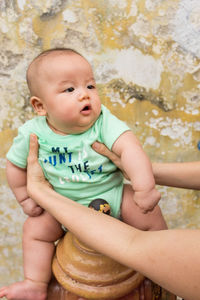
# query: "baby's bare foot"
[[25, 290]]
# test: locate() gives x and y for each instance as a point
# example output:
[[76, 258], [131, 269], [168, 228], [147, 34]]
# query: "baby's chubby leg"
[[39, 235], [132, 214]]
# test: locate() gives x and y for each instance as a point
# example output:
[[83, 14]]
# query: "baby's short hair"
[[52, 50], [43, 54]]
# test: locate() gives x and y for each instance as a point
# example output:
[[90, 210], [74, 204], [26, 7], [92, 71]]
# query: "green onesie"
[[69, 163]]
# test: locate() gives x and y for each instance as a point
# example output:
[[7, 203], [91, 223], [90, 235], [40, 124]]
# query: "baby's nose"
[[83, 94]]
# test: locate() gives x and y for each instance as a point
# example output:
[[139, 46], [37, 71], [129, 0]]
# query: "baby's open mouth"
[[87, 107]]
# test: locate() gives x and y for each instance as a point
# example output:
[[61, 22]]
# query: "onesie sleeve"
[[18, 152], [111, 128]]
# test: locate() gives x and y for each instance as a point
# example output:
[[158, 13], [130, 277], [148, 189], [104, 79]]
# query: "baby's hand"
[[31, 208], [147, 200]]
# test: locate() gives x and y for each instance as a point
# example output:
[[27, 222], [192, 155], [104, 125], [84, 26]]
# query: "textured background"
[[146, 57]]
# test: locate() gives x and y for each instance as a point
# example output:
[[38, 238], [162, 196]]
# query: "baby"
[[70, 119]]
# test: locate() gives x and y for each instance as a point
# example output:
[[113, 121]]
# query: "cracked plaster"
[[145, 56]]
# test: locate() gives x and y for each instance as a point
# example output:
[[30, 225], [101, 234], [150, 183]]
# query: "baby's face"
[[68, 93]]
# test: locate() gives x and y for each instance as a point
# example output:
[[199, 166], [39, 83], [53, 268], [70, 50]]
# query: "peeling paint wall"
[[146, 57]]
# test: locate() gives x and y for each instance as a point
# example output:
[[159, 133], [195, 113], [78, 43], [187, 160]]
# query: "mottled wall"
[[146, 59]]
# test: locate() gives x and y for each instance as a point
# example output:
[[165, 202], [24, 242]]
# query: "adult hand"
[[103, 150], [35, 176]]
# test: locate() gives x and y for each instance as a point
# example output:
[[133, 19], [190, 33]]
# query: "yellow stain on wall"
[[108, 24], [48, 30], [166, 120], [6, 136]]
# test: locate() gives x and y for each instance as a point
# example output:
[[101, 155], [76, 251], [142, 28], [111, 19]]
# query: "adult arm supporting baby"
[[168, 257], [175, 174]]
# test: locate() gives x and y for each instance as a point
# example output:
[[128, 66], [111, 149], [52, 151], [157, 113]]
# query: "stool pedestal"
[[82, 273]]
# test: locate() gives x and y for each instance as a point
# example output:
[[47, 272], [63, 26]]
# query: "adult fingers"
[[33, 149], [102, 149]]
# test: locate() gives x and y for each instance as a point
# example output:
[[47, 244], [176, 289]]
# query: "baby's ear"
[[38, 106]]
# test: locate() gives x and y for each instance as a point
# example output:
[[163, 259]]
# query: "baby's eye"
[[90, 87], [69, 90]]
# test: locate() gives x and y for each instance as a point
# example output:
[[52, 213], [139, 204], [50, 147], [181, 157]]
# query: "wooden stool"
[[82, 273]]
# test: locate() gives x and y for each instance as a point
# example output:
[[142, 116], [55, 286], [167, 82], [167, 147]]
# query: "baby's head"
[[63, 89]]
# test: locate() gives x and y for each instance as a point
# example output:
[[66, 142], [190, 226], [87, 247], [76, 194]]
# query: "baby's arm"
[[138, 168], [17, 181]]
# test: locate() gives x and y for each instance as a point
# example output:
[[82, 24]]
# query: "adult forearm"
[[183, 175], [97, 230], [170, 258]]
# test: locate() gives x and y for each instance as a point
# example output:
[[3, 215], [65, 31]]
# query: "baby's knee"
[[43, 227], [31, 225]]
